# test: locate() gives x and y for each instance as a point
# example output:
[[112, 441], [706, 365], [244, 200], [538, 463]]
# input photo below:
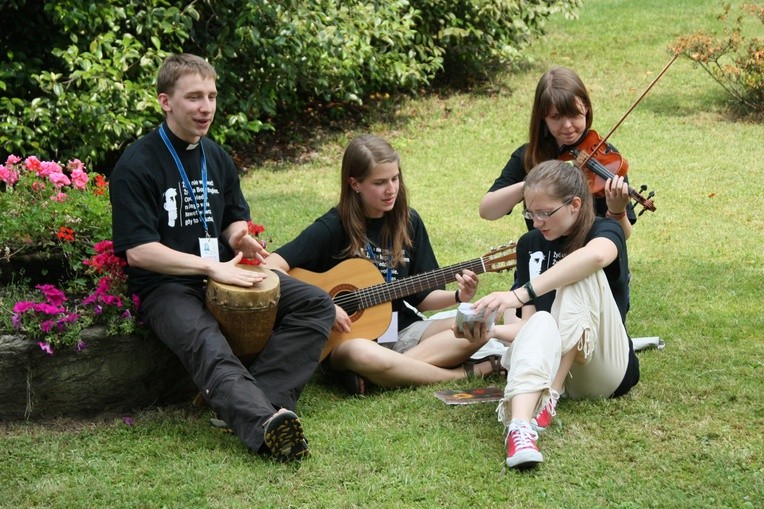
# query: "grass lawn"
[[689, 435]]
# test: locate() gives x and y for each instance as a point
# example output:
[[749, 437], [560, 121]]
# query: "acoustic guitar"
[[357, 286]]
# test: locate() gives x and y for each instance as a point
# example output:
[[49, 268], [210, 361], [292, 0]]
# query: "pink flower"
[[75, 165], [48, 168], [12, 159], [60, 197], [79, 178], [8, 175], [33, 164], [58, 178], [45, 347]]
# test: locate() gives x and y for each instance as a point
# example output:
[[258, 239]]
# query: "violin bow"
[[604, 139]]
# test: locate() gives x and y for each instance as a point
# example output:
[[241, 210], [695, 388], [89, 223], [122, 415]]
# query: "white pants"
[[583, 316]]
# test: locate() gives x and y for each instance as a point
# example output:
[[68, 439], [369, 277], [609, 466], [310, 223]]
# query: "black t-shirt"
[[150, 202], [535, 255], [319, 248], [514, 172]]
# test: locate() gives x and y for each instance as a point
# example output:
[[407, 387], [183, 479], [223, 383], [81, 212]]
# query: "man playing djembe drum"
[[170, 254]]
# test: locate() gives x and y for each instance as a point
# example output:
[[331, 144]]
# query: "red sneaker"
[[522, 451], [544, 418]]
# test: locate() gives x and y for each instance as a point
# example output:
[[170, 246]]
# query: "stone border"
[[113, 374]]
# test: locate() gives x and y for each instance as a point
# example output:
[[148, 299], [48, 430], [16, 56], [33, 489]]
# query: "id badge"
[[208, 247], [391, 334]]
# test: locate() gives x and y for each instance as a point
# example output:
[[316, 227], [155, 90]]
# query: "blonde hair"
[[361, 156], [176, 66]]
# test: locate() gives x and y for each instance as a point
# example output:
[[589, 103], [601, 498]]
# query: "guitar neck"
[[387, 292]]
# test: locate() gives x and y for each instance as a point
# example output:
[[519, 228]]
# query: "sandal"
[[496, 367], [352, 382]]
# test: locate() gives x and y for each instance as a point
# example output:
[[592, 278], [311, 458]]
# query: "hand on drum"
[[241, 241], [229, 273]]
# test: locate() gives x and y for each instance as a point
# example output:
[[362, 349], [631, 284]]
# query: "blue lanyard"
[[187, 183], [372, 256]]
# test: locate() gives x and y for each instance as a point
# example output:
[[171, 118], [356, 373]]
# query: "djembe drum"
[[246, 314]]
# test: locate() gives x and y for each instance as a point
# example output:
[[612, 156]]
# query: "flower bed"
[[70, 343]]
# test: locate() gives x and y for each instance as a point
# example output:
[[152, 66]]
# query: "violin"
[[600, 162]]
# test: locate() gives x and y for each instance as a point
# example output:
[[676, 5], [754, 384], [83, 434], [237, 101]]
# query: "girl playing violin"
[[560, 118], [573, 339]]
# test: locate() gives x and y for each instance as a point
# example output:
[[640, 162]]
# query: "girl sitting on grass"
[[572, 277]]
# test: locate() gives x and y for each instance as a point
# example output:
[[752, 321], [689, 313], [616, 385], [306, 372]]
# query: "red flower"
[[101, 184], [255, 229], [65, 234]]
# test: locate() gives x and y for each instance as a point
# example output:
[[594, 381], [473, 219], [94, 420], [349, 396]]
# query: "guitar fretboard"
[[387, 292]]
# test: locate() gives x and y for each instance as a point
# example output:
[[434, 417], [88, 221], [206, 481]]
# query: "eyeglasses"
[[543, 216]]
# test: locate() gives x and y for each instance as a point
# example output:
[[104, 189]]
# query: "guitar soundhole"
[[344, 297]]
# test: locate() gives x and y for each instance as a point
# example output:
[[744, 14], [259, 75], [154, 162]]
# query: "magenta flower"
[[69, 318], [22, 306], [47, 309], [47, 325], [52, 294], [45, 347], [81, 345]]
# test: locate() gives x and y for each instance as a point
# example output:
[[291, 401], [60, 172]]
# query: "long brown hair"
[[558, 88], [562, 181], [361, 156]]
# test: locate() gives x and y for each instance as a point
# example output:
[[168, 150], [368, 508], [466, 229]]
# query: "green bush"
[[477, 35], [84, 85]]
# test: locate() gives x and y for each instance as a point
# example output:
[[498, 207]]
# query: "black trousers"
[[244, 396]]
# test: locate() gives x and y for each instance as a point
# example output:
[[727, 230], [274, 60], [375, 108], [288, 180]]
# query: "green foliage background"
[[83, 85]]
